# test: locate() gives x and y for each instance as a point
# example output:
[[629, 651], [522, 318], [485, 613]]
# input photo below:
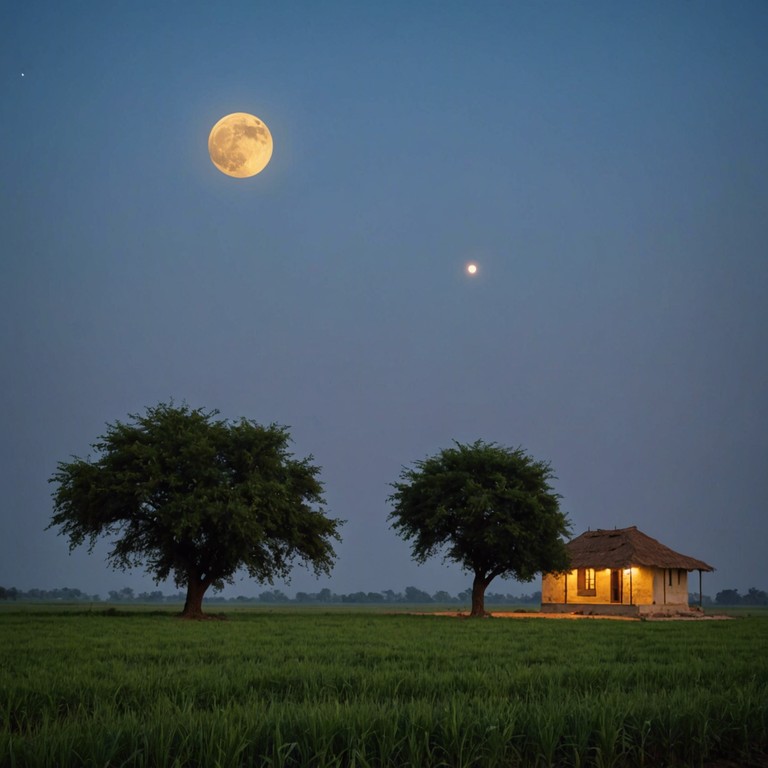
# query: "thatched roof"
[[624, 547]]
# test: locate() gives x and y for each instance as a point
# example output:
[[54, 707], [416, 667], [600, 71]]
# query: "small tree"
[[196, 499], [490, 508]]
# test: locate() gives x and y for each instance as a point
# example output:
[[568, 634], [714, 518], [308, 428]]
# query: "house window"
[[585, 582]]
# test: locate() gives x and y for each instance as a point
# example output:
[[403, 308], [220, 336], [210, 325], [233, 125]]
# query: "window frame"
[[586, 582]]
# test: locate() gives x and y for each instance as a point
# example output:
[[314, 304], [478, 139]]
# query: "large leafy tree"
[[196, 499], [489, 508]]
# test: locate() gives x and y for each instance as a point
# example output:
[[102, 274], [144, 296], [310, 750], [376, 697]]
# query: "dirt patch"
[[543, 615], [712, 617]]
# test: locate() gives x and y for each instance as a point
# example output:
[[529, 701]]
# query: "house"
[[621, 571]]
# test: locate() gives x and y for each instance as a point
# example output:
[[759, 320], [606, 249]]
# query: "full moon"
[[240, 145], [471, 269]]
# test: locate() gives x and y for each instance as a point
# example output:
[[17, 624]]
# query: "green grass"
[[294, 687]]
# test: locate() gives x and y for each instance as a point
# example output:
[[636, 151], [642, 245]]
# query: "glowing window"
[[585, 582]]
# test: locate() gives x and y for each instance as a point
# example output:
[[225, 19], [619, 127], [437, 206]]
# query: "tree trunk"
[[479, 585], [193, 605]]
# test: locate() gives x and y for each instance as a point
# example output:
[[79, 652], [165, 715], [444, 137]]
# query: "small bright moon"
[[471, 269], [240, 145]]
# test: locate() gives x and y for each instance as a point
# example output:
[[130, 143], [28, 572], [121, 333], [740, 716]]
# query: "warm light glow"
[[471, 269], [240, 145]]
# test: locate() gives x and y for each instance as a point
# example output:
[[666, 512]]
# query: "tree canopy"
[[487, 507], [196, 498]]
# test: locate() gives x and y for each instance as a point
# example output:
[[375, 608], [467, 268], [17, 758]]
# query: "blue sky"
[[605, 164]]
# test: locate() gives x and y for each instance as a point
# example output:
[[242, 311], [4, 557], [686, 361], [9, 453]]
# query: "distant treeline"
[[732, 597], [409, 595]]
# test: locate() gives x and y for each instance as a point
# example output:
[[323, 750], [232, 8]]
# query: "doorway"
[[616, 586]]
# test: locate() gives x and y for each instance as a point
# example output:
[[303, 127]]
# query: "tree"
[[755, 596], [354, 597], [416, 595], [489, 508], [125, 595], [728, 597], [155, 596], [273, 596], [196, 498]]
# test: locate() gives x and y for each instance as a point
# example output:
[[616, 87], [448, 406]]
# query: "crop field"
[[308, 687]]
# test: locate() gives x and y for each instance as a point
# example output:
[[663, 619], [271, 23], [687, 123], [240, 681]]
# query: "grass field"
[[297, 687]]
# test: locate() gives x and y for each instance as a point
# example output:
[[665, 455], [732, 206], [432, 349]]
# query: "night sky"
[[605, 165]]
